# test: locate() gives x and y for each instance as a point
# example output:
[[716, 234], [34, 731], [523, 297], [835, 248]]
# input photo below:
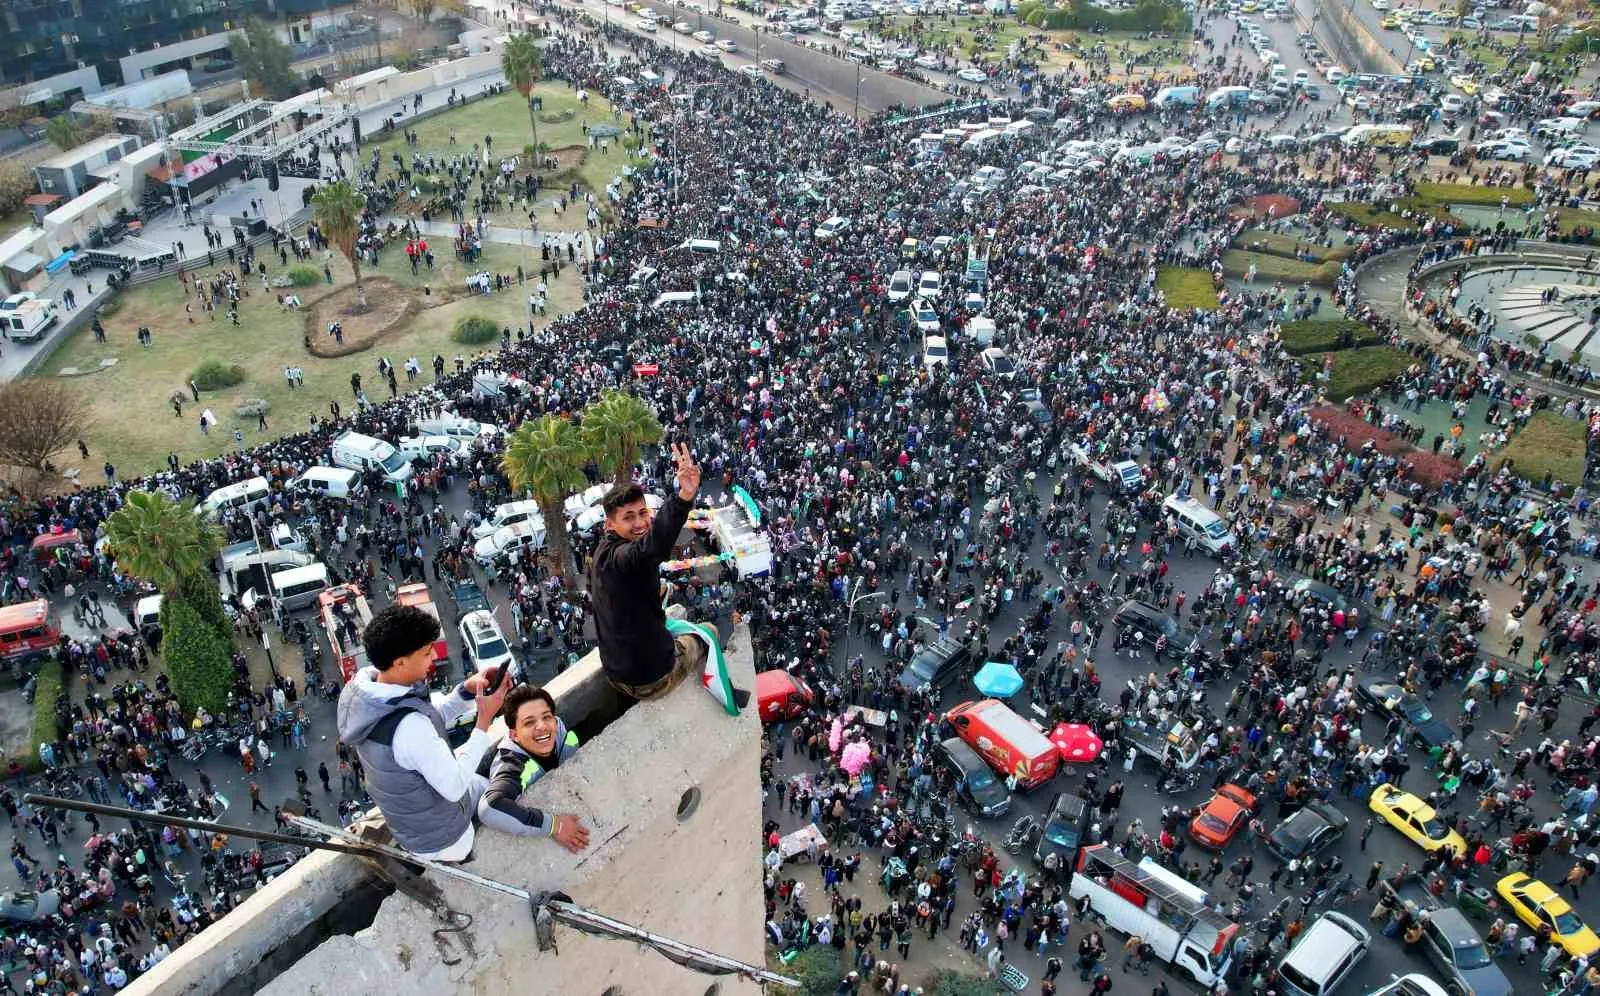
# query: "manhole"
[[688, 802]]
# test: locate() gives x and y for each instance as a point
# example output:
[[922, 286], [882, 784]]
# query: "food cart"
[[1159, 742], [795, 844]]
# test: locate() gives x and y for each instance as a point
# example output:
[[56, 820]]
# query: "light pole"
[[849, 632], [855, 112]]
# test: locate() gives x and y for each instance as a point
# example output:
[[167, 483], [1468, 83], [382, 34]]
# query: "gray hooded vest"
[[421, 819]]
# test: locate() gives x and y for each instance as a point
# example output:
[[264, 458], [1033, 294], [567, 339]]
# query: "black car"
[[1439, 146], [1307, 831], [1389, 699], [1142, 617], [1325, 594], [1064, 831], [937, 664], [976, 786]]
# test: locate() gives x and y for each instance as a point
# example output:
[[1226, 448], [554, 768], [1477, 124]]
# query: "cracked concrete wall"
[[697, 880]]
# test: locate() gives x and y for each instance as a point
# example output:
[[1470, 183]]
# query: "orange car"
[[1222, 817]]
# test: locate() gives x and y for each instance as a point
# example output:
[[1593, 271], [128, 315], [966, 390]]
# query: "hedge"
[[304, 276], [214, 375], [1373, 216], [1466, 193], [1186, 288], [197, 656], [1276, 244], [1550, 445], [1149, 15], [1236, 262], [945, 982], [47, 688], [1357, 371], [475, 330], [1325, 335]]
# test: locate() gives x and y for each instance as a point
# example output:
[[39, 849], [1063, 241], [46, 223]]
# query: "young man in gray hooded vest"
[[427, 793]]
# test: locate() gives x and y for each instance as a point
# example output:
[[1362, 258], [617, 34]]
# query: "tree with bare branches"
[[39, 417]]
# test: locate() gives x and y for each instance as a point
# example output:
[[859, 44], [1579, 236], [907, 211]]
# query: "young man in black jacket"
[[640, 657]]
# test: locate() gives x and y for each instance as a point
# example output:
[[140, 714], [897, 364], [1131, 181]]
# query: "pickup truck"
[[1448, 938]]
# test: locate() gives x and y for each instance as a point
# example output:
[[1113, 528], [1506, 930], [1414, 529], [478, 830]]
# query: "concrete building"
[[72, 172], [671, 791]]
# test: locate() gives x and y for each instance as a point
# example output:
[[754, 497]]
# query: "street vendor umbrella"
[[999, 680], [1078, 744]]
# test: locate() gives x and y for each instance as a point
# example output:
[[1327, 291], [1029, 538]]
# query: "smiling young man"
[[536, 742], [427, 793], [639, 656]]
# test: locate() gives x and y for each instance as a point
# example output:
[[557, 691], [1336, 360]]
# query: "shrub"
[[214, 375], [197, 657], [1186, 288], [1149, 15], [1357, 431], [1323, 335], [1549, 445], [304, 276], [475, 330], [1432, 469], [558, 117], [16, 185], [1372, 216], [252, 408], [944, 982], [1274, 244], [1358, 371], [112, 306], [1466, 193], [46, 690], [816, 968]]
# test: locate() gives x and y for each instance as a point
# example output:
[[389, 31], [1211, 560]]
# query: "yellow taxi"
[[1414, 818], [1390, 22], [1426, 63], [1249, 7], [1536, 903], [1127, 102], [1466, 84]]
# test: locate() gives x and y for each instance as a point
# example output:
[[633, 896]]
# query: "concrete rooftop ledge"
[[697, 880]]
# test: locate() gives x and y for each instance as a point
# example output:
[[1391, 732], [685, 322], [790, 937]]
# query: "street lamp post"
[[849, 631]]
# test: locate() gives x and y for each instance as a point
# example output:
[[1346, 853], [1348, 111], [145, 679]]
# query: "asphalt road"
[[1387, 957]]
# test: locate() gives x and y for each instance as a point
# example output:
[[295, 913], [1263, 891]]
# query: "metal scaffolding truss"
[[261, 140]]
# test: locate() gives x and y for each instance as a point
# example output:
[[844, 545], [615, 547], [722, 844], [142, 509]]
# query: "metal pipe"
[[210, 826]]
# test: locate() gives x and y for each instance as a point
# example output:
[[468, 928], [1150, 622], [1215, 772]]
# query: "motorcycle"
[[1024, 832]]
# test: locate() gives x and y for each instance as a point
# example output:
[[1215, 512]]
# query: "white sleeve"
[[417, 747], [452, 705]]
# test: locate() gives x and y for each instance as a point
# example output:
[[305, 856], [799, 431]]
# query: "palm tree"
[[162, 541], [546, 457], [614, 428], [63, 132], [523, 63], [338, 208]]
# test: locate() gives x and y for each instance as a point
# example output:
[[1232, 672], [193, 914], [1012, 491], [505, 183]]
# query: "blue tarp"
[[60, 261], [998, 680]]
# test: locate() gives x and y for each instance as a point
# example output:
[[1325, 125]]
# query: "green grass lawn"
[[1321, 335], [1271, 269], [504, 119], [1357, 371], [134, 422], [989, 38], [1277, 244], [1186, 288], [1549, 446], [1467, 193], [1573, 218], [1370, 215]]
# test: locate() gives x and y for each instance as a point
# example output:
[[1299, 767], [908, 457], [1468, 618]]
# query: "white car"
[[831, 228], [587, 498], [1452, 103], [972, 74], [727, 46], [590, 518], [709, 51], [995, 361], [927, 318], [412, 447], [509, 541], [467, 430], [508, 514], [930, 284], [900, 285], [1507, 151], [482, 642], [1333, 74], [1302, 77], [1380, 4], [927, 61], [683, 27], [1574, 157], [703, 36], [750, 72], [648, 26], [935, 352]]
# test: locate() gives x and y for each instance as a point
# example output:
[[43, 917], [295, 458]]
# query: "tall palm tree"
[[523, 63], [546, 457], [160, 540], [338, 208], [614, 427]]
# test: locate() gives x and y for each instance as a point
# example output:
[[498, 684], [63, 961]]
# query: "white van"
[[147, 615], [773, 66], [508, 514], [981, 139], [247, 494], [359, 452], [1195, 521], [298, 588], [1323, 956], [329, 482], [981, 331]]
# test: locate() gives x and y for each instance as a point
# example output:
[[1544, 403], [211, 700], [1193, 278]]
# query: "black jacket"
[[625, 585]]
